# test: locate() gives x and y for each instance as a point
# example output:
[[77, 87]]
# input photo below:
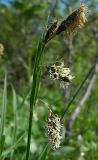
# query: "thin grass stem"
[[34, 89]]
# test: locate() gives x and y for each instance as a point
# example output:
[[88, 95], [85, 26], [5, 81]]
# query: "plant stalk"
[[34, 90]]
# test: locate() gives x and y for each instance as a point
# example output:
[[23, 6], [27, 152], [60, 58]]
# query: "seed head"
[[74, 21], [53, 130], [60, 73], [70, 25]]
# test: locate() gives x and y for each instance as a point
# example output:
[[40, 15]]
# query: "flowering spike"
[[59, 72], [53, 129], [74, 21], [70, 25]]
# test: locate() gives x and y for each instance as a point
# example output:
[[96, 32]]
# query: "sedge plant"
[[70, 26]]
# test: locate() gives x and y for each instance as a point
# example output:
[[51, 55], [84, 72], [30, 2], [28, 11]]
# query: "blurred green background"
[[21, 25]]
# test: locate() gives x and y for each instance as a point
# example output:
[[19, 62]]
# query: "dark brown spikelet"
[[70, 25], [65, 79], [67, 22], [51, 31], [74, 21]]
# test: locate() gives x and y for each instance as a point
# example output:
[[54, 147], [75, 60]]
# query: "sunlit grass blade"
[[3, 115], [14, 104]]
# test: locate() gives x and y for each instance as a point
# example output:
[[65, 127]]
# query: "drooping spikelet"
[[1, 49], [59, 72], [53, 129], [71, 24], [74, 21]]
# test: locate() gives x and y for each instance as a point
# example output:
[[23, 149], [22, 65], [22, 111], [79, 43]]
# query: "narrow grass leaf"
[[34, 89], [14, 104], [44, 153], [3, 115]]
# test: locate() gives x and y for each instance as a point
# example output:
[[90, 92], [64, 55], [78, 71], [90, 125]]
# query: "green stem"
[[34, 90], [77, 91]]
